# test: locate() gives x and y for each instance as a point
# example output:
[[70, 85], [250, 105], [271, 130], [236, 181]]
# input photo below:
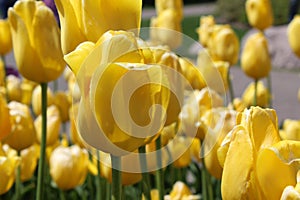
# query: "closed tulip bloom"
[[88, 20], [5, 37], [63, 104], [180, 190], [36, 100], [224, 44], [27, 89], [53, 125], [5, 123], [162, 5], [8, 167], [68, 166], [293, 32], [262, 95], [29, 158], [33, 26], [291, 130], [256, 130], [23, 132], [13, 85], [166, 29], [74, 135], [255, 59], [205, 29], [259, 13], [180, 151]]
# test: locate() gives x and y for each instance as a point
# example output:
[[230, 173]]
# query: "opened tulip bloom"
[[126, 71], [255, 131], [36, 41], [88, 20], [293, 32], [5, 37], [259, 13]]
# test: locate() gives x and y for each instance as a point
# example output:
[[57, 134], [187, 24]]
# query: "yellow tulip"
[[192, 112], [224, 44], [262, 95], [154, 195], [162, 5], [13, 85], [255, 59], [125, 72], [205, 29], [223, 67], [62, 103], [29, 158], [23, 132], [195, 149], [128, 178], [259, 13], [88, 20], [53, 125], [278, 164], [75, 136], [239, 105], [192, 74], [5, 37], [166, 29], [221, 121], [291, 130], [255, 131], [167, 134], [5, 123], [179, 191], [26, 89], [180, 151], [33, 26], [36, 100], [8, 166], [68, 166], [293, 32]]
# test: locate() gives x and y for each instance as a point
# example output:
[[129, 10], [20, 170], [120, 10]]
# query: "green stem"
[[98, 179], [269, 85], [116, 189], [18, 180], [231, 92], [41, 167], [108, 189], [145, 175], [62, 195], [255, 93], [159, 177]]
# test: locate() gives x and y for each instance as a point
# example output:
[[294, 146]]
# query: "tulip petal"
[[281, 159], [76, 58], [100, 16], [47, 43], [71, 34]]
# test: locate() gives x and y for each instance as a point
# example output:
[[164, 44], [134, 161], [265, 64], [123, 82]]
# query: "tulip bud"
[[36, 99], [29, 158], [180, 151], [224, 44], [68, 166], [259, 13], [205, 29], [8, 166], [13, 85], [5, 37], [291, 129], [75, 136], [53, 125], [23, 132], [166, 29], [63, 104], [255, 59], [262, 95], [293, 33], [5, 123], [2, 73]]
